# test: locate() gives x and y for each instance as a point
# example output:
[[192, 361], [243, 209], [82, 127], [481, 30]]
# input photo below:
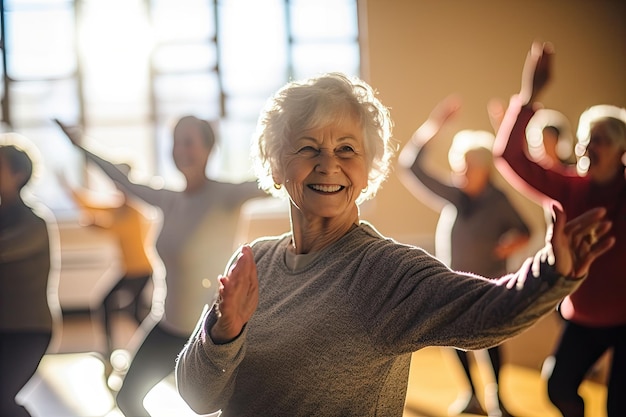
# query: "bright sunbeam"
[[115, 47], [73, 385], [164, 401]]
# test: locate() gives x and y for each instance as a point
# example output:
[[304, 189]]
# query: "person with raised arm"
[[595, 314], [197, 236], [322, 320], [479, 235]]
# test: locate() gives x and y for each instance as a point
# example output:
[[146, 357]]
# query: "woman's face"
[[605, 154], [324, 170], [189, 151], [476, 174]]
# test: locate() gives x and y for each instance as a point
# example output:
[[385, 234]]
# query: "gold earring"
[[278, 186]]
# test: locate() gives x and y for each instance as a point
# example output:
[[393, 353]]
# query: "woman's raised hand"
[[537, 71], [573, 246], [441, 113], [238, 298], [73, 133]]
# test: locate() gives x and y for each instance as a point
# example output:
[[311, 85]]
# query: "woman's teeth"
[[326, 188]]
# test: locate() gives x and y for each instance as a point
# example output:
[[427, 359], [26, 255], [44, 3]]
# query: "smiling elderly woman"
[[321, 321]]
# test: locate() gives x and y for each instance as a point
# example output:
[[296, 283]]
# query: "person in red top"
[[595, 314]]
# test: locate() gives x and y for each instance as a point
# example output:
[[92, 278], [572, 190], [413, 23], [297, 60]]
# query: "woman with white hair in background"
[[481, 232], [595, 314]]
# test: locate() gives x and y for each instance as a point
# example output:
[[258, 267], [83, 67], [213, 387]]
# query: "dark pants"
[[578, 350], [20, 354], [494, 356], [132, 288], [155, 359]]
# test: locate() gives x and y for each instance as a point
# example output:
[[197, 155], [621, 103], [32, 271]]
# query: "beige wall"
[[418, 51]]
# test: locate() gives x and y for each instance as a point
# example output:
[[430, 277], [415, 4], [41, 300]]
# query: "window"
[[126, 70]]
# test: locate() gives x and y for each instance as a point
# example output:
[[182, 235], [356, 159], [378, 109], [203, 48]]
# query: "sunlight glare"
[[79, 382], [164, 401]]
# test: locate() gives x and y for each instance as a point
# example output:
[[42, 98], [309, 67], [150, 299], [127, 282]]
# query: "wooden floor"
[[436, 378], [71, 383]]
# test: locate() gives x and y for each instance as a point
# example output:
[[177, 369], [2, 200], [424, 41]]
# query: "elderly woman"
[[322, 320], [596, 313]]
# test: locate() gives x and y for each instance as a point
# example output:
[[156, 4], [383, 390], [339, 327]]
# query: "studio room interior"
[[123, 72]]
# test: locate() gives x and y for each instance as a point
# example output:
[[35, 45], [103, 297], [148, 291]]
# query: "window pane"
[[189, 57], [182, 20], [115, 62], [124, 143], [37, 102], [245, 107], [114, 109], [43, 53], [196, 94], [232, 160], [323, 19], [261, 46], [313, 58], [247, 80], [38, 4]]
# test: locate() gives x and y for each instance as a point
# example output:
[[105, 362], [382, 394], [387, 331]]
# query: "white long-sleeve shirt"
[[195, 241]]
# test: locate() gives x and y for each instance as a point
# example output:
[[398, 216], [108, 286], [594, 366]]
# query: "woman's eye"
[[346, 150], [307, 150]]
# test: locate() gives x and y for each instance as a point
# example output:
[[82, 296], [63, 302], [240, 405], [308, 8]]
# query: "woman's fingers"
[[537, 70], [593, 246], [580, 241], [585, 220], [239, 289], [238, 297], [73, 133]]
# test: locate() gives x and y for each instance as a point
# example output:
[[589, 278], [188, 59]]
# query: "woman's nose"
[[327, 162]]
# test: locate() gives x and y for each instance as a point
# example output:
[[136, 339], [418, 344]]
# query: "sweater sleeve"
[[206, 372], [421, 302]]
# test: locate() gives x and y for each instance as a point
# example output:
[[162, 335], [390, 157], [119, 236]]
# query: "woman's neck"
[[313, 235]]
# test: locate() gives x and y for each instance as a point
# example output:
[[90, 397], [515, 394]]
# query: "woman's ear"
[[277, 173]]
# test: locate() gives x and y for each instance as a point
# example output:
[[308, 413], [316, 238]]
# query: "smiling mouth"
[[326, 188]]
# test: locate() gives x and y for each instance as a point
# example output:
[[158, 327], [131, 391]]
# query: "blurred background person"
[[29, 308], [195, 241], [130, 226], [595, 313], [550, 139], [479, 229]]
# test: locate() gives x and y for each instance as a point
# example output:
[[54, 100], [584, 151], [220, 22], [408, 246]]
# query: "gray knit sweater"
[[335, 337]]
